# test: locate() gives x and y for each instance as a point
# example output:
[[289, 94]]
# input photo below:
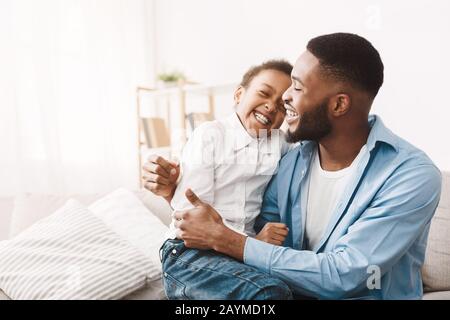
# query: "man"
[[357, 199]]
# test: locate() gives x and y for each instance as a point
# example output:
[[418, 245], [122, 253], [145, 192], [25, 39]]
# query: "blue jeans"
[[208, 275]]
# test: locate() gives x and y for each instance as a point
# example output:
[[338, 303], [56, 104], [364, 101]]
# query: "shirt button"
[[165, 274], [174, 251]]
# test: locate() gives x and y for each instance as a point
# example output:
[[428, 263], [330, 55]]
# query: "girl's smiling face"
[[260, 105]]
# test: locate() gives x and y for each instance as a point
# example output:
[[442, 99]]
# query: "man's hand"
[[273, 233], [197, 226], [202, 228], [160, 176]]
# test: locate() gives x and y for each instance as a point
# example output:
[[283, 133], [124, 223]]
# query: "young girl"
[[229, 162]]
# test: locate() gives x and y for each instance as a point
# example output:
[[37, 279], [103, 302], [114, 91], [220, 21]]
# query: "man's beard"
[[314, 125]]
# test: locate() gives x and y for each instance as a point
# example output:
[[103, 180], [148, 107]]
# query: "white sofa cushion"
[[71, 254], [436, 269], [438, 295], [126, 215]]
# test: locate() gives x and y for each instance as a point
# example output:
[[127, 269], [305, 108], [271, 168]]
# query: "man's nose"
[[286, 95]]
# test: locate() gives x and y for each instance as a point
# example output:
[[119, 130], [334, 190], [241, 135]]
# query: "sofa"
[[18, 213]]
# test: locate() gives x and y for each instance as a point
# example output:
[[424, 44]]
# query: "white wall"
[[216, 41]]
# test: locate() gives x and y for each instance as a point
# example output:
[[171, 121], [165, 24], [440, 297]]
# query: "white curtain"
[[68, 72]]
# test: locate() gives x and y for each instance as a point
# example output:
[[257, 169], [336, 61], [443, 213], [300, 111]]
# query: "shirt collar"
[[237, 131], [379, 133]]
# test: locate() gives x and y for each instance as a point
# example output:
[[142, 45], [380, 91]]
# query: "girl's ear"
[[238, 94]]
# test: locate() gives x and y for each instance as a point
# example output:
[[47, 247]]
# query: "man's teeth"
[[291, 113], [261, 118]]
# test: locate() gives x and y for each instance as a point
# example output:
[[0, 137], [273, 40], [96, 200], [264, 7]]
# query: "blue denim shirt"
[[374, 244]]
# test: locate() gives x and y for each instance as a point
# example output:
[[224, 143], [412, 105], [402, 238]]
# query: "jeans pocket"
[[171, 246], [175, 290]]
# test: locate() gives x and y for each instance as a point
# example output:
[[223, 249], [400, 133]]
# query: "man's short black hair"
[[349, 58]]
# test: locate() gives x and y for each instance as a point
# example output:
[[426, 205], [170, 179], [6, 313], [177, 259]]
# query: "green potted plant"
[[171, 79]]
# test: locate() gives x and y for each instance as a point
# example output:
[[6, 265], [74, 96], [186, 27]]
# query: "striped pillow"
[[71, 254]]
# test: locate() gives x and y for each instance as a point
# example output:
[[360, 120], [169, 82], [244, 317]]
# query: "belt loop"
[[160, 256]]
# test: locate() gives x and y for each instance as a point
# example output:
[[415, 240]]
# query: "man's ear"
[[341, 104], [238, 94]]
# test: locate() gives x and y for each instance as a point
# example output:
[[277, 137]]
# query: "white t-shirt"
[[229, 169], [325, 190]]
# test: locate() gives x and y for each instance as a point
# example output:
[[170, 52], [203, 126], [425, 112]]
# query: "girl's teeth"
[[261, 118]]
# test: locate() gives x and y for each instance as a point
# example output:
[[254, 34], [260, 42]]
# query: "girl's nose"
[[268, 107]]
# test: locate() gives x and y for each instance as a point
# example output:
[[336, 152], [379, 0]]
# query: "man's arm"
[[230, 243], [398, 215]]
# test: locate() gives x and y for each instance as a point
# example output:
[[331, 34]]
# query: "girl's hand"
[[160, 176], [273, 233]]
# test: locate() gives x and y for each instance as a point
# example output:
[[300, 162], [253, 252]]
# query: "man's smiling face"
[[306, 101]]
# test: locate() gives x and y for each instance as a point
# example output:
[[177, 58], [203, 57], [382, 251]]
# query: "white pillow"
[[125, 214], [30, 208], [71, 254]]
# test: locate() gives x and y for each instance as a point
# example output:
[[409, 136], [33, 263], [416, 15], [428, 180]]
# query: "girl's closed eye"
[[263, 94]]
